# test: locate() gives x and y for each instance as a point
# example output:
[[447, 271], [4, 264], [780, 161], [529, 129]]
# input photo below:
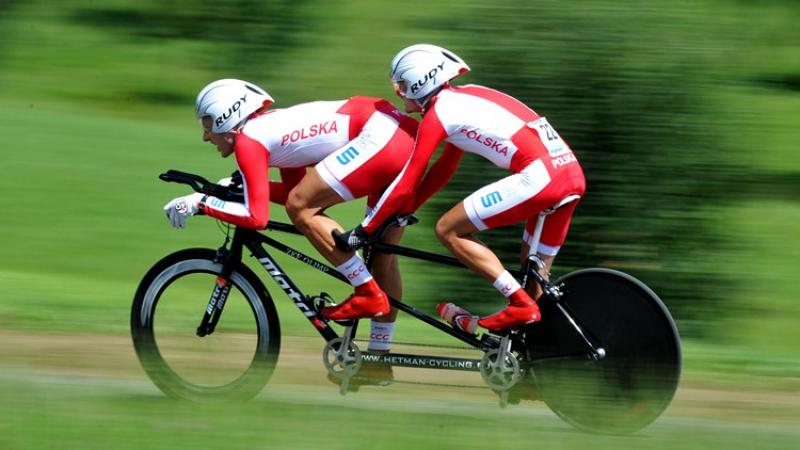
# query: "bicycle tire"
[[155, 293], [636, 380]]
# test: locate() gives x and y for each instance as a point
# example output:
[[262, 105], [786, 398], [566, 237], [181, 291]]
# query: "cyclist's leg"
[[363, 166], [386, 271], [375, 157], [306, 208], [455, 230], [554, 233], [508, 201], [533, 288]]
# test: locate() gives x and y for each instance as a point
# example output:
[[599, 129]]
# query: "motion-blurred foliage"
[[679, 111], [642, 93], [250, 32], [628, 89]]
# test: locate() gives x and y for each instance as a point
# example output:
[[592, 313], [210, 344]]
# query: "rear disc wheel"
[[636, 380]]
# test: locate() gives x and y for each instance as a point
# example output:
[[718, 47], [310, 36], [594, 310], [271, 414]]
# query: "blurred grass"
[[85, 414]]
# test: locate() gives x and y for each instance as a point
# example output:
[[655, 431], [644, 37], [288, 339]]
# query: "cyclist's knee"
[[444, 232], [295, 206]]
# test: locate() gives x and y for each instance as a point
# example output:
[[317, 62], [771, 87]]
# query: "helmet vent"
[[254, 89], [450, 56]]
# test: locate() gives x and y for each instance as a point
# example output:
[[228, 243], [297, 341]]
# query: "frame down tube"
[[282, 279]]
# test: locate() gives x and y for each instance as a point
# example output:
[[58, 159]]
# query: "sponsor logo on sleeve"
[[491, 199], [347, 155]]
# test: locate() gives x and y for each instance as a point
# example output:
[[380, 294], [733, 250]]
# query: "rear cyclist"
[[354, 149], [503, 130]]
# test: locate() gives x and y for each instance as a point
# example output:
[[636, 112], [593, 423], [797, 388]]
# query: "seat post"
[[533, 263], [537, 232]]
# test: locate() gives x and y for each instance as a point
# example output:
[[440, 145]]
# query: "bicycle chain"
[[416, 344]]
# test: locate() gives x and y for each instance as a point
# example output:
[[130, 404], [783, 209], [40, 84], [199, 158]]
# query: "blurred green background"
[[684, 114]]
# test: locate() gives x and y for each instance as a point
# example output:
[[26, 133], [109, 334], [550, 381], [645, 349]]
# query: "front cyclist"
[[354, 148], [503, 130]]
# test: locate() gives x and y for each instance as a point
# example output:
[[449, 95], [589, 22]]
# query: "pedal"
[[321, 300], [504, 398], [324, 299]]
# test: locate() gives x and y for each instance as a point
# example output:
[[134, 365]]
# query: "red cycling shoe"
[[368, 301], [520, 311]]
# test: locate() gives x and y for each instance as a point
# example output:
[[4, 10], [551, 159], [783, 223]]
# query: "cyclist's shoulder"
[[277, 120], [476, 104], [317, 107], [364, 103], [471, 93]]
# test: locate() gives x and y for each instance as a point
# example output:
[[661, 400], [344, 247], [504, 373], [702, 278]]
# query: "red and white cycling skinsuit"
[[358, 146], [503, 130]]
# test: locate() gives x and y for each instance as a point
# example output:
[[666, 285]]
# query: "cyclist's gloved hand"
[[182, 207], [351, 240], [225, 181]]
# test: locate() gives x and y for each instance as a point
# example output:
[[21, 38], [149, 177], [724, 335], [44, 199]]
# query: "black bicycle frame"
[[368, 260], [256, 241]]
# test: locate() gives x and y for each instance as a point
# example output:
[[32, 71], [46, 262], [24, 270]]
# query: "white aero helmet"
[[229, 102], [419, 70]]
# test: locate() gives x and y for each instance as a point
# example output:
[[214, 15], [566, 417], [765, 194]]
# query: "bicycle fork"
[[215, 306], [219, 295]]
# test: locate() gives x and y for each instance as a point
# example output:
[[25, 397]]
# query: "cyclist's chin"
[[225, 152]]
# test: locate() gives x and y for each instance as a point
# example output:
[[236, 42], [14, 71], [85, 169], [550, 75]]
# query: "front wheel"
[[635, 381], [233, 362]]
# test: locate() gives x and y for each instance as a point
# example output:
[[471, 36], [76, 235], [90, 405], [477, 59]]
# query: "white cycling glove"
[[182, 207]]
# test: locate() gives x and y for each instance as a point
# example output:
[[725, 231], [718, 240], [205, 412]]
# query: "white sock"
[[355, 271], [506, 284], [380, 335]]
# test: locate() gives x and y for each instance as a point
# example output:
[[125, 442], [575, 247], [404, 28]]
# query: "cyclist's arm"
[[430, 134], [253, 161], [279, 190], [437, 176]]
